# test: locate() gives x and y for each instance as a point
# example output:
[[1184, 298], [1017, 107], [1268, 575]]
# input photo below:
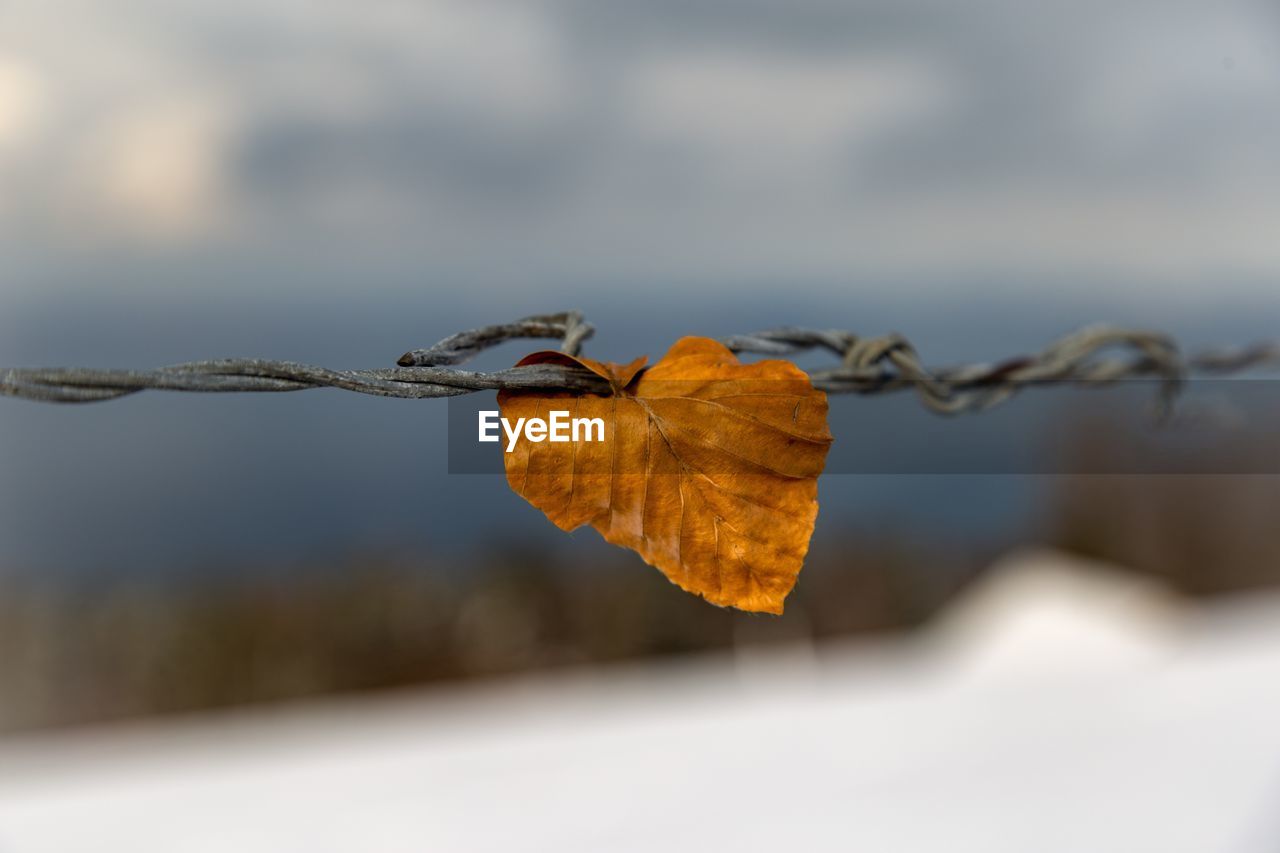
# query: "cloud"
[[747, 116], [700, 140], [22, 100]]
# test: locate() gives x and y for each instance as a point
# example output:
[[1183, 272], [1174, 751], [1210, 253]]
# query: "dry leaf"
[[708, 468]]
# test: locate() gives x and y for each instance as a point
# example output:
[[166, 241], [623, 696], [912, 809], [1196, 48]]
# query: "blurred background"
[[337, 184]]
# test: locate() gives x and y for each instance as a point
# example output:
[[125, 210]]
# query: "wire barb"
[[455, 349], [871, 365]]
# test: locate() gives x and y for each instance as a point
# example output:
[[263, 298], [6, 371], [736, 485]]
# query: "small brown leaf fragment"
[[708, 468]]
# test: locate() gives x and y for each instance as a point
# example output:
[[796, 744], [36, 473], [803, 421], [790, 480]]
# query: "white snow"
[[1058, 707]]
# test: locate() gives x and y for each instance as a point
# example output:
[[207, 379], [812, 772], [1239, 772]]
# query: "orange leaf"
[[708, 468]]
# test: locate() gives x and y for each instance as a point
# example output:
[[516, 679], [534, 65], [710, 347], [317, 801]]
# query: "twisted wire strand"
[[424, 373], [890, 363], [868, 365]]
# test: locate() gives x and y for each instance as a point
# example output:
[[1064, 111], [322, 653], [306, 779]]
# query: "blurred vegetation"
[[88, 650], [82, 649], [1202, 534]]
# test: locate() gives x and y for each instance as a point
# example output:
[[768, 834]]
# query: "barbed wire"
[[890, 363], [1093, 356]]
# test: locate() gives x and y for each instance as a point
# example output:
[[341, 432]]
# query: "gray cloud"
[[696, 139]]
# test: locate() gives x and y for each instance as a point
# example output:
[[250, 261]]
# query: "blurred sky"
[[674, 141], [340, 183]]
